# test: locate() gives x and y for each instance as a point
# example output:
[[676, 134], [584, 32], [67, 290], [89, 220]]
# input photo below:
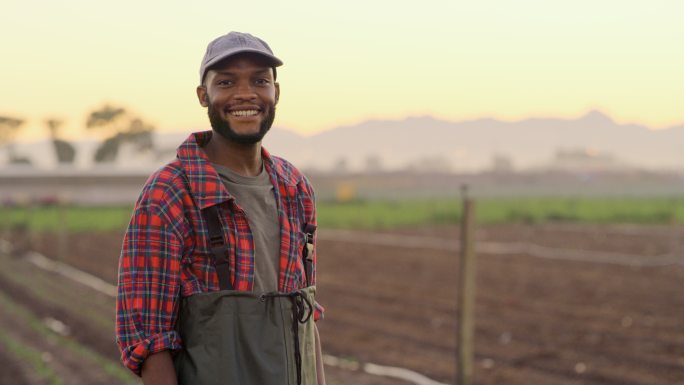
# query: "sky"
[[348, 61]]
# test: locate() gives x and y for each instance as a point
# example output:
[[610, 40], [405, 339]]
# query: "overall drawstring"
[[301, 312]]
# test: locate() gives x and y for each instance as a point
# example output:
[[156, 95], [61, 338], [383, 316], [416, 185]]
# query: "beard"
[[223, 128]]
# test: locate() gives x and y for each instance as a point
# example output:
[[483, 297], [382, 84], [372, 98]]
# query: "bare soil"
[[13, 372], [538, 321]]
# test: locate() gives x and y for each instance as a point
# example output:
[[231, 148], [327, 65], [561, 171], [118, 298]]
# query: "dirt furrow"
[[14, 370], [81, 331], [538, 321]]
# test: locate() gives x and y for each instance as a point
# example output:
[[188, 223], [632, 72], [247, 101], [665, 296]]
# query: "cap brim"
[[274, 61]]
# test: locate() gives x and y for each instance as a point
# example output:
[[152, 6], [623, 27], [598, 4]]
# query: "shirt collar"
[[205, 184]]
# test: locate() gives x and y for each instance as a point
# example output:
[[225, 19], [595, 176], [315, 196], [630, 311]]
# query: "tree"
[[66, 153], [53, 125], [140, 133], [108, 150], [107, 118], [8, 129], [121, 128]]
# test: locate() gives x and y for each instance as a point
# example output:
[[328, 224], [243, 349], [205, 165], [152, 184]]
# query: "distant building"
[[585, 160], [373, 164], [501, 164], [436, 163]]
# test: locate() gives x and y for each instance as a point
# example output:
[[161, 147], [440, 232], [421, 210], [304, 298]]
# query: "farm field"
[[56, 331], [390, 214], [557, 320]]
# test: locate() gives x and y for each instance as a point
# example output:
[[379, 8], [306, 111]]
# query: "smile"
[[244, 112]]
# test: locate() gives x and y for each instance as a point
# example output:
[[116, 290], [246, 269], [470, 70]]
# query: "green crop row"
[[388, 214], [391, 214], [72, 218], [33, 356], [30, 356]]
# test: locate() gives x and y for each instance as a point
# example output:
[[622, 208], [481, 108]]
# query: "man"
[[217, 269]]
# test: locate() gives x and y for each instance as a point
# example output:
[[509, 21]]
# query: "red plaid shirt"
[[165, 255]]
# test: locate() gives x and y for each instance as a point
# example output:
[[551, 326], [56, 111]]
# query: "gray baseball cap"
[[234, 43]]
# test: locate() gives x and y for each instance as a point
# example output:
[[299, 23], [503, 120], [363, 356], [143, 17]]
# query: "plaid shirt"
[[165, 255]]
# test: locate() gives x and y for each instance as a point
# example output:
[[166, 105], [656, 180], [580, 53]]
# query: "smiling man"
[[218, 265]]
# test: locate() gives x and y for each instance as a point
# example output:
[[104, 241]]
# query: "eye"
[[262, 82], [224, 82]]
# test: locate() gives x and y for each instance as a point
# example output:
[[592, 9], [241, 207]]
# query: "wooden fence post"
[[466, 294], [63, 231]]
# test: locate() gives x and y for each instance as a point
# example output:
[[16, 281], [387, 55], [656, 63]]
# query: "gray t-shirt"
[[255, 196]]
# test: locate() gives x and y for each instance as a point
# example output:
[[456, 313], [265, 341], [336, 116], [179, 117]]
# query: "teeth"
[[244, 112]]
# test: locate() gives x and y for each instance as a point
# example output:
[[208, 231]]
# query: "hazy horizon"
[[350, 62], [180, 130], [592, 141]]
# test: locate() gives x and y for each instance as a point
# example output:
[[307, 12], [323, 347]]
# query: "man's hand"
[[158, 369]]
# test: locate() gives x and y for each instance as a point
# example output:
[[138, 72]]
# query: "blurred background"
[[563, 119]]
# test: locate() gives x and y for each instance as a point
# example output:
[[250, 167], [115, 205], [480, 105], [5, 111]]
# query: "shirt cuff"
[[134, 355], [319, 311]]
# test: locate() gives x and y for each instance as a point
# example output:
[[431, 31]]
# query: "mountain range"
[[472, 145], [426, 142]]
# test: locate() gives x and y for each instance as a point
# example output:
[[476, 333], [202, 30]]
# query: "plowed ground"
[[538, 321]]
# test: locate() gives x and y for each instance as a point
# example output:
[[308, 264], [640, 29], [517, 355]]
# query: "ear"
[[277, 90], [202, 96]]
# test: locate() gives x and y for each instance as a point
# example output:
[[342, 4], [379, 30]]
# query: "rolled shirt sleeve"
[[148, 288]]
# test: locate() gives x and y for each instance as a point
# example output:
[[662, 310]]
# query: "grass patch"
[[74, 218], [32, 356], [379, 214], [388, 214], [53, 289], [586, 210], [114, 369]]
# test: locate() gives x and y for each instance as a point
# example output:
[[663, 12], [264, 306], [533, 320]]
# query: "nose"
[[245, 91]]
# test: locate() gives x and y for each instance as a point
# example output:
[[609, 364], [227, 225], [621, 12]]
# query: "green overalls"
[[244, 338]]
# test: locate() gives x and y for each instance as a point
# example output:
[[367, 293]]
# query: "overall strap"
[[307, 252], [218, 246], [302, 310]]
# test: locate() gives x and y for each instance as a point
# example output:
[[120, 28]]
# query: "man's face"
[[240, 95]]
